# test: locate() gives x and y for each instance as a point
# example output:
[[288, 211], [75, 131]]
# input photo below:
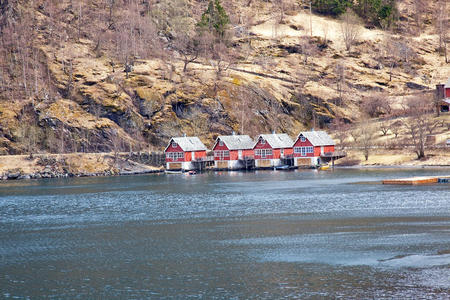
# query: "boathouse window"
[[302, 139], [220, 143], [221, 154], [174, 145], [263, 152], [304, 150], [174, 155], [263, 141]]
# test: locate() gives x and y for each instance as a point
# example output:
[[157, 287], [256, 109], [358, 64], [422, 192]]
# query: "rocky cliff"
[[83, 76]]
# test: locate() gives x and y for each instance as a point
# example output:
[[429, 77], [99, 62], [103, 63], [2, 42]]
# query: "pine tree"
[[215, 19]]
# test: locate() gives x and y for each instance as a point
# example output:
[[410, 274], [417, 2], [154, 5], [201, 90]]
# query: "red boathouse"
[[270, 149], [310, 146], [232, 151], [181, 152]]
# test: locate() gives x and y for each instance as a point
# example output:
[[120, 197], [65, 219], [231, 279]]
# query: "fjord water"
[[302, 234]]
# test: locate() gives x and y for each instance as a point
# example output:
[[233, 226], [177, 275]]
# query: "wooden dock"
[[417, 180]]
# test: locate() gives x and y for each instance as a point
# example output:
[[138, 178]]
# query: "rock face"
[[82, 98], [82, 165]]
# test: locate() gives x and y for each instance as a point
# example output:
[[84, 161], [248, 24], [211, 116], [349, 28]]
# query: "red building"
[[181, 152], [443, 96], [310, 146], [231, 151], [447, 89], [270, 149]]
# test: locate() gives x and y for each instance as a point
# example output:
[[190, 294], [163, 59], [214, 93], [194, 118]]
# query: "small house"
[[182, 153], [443, 96], [311, 147], [232, 151], [271, 149]]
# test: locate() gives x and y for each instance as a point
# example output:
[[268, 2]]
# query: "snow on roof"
[[318, 138], [236, 142], [189, 143], [447, 85], [280, 140]]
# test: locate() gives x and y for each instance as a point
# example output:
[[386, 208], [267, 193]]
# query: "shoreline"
[[20, 167], [37, 176]]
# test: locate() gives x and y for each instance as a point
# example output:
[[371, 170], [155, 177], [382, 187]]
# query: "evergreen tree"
[[376, 12], [215, 19], [331, 7]]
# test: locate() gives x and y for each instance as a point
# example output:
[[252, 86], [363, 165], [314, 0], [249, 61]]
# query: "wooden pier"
[[417, 180]]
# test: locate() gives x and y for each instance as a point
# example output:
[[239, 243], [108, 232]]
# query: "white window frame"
[[220, 143], [221, 154], [303, 153], [263, 141], [302, 139]]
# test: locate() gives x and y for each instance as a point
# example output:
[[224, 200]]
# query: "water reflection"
[[265, 235]]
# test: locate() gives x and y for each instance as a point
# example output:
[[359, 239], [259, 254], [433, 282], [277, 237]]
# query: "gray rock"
[[14, 175]]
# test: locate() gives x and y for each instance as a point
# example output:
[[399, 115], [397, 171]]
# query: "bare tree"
[[366, 140], [116, 144], [341, 130], [222, 59], [355, 134], [281, 7], [308, 48], [385, 127], [396, 127], [441, 25], [417, 110], [420, 7], [350, 26], [340, 80], [376, 104]]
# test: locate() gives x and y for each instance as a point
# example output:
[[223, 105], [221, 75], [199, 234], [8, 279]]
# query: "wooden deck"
[[416, 180]]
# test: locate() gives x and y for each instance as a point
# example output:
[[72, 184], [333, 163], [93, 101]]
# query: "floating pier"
[[418, 180]]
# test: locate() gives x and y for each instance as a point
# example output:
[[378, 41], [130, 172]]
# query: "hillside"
[[90, 77]]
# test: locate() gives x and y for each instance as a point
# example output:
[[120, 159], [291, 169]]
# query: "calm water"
[[269, 235]]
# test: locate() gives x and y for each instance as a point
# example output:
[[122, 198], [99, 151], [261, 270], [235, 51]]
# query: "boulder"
[[14, 175]]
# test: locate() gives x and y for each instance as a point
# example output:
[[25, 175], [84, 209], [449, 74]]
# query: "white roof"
[[447, 85], [280, 140], [236, 142], [189, 143], [318, 138]]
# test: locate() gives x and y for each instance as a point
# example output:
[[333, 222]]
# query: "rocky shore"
[[48, 173], [21, 167]]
